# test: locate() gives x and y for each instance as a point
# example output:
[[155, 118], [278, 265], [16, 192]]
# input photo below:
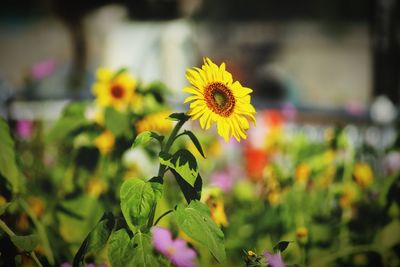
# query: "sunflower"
[[114, 89], [216, 98], [157, 121]]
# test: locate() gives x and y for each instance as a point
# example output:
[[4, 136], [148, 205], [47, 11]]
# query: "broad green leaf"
[[137, 200], [4, 207], [64, 126], [8, 165], [196, 222], [126, 252], [189, 192], [157, 185], [116, 122], [145, 137], [179, 117], [25, 242], [143, 254], [120, 249], [96, 239], [281, 246], [195, 141], [184, 163]]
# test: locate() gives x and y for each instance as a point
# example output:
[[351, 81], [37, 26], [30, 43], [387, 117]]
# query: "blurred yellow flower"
[[302, 234], [3, 200], [302, 173], [37, 205], [114, 89], [95, 187], [157, 122], [217, 210], [105, 142], [363, 174], [274, 197], [217, 99], [348, 195]]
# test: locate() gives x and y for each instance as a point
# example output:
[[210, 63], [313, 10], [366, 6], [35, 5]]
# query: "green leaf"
[[8, 165], [196, 222], [281, 246], [25, 242], [116, 122], [96, 239], [184, 163], [120, 249], [123, 251], [190, 193], [145, 137], [179, 117], [4, 207], [119, 72], [157, 186], [195, 141], [143, 253], [137, 200]]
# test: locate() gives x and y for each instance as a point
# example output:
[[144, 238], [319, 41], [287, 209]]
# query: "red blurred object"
[[256, 160]]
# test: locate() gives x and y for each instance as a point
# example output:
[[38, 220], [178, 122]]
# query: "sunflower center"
[[117, 91], [219, 99]]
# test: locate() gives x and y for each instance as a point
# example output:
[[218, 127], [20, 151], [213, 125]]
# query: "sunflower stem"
[[162, 216]]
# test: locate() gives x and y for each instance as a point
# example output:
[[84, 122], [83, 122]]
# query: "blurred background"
[[332, 57]]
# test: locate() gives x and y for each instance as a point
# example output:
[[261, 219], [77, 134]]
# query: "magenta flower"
[[176, 250], [222, 180], [24, 128], [43, 69], [274, 260]]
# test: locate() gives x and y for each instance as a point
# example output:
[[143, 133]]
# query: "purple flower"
[[274, 260], [289, 111], [43, 69], [24, 128], [223, 180], [176, 250], [391, 162]]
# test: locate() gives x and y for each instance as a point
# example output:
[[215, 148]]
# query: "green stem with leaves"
[[162, 169], [41, 231], [10, 233]]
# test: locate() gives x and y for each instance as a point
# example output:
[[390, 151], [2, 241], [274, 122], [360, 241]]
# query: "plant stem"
[[41, 231], [10, 233], [162, 169], [164, 214], [170, 141]]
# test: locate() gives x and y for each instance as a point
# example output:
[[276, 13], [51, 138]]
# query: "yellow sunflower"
[[157, 121], [218, 99], [114, 89]]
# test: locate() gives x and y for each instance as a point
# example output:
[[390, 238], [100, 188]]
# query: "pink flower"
[[176, 250], [274, 260], [43, 69], [391, 162], [24, 128], [223, 180]]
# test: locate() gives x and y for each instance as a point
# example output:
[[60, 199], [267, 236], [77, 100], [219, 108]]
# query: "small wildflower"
[[176, 250], [24, 129], [302, 234], [37, 205], [363, 174], [95, 187], [274, 260], [302, 173], [105, 142]]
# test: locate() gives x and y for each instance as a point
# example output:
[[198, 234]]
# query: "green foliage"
[[195, 141], [137, 202], [8, 165], [124, 251], [4, 207], [96, 239], [281, 246], [72, 118], [196, 222], [189, 192], [145, 137], [117, 122], [25, 243], [179, 117], [183, 162]]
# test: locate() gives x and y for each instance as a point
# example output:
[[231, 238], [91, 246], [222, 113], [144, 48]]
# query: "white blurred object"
[[140, 159], [391, 162], [382, 110], [152, 50]]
